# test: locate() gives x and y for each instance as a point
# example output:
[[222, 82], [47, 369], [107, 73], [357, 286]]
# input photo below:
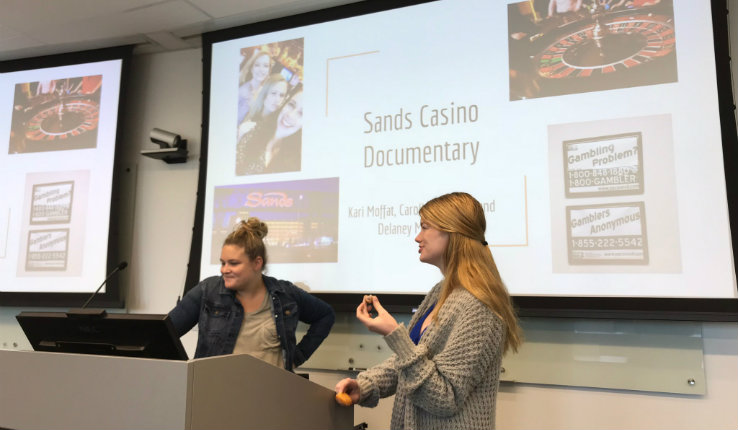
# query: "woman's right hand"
[[350, 387], [383, 323]]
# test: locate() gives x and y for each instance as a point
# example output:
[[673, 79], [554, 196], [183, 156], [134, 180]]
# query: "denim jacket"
[[219, 315]]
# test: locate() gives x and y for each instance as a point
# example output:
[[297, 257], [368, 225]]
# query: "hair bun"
[[256, 226]]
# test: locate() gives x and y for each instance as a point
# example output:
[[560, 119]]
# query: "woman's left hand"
[[383, 323]]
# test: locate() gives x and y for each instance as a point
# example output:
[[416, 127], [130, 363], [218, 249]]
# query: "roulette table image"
[[593, 49], [54, 123]]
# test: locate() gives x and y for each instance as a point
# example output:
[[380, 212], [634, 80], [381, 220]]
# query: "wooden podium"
[[43, 390]]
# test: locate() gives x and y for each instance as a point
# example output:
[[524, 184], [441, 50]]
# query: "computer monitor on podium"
[[100, 333]]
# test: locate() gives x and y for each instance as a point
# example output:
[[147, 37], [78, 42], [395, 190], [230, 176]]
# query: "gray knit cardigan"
[[450, 379]]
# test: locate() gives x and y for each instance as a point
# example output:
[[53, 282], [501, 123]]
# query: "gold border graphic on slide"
[[4, 251], [328, 68], [525, 208]]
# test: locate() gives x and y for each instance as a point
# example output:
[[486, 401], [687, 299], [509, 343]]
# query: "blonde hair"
[[245, 74], [256, 111], [249, 235], [468, 261]]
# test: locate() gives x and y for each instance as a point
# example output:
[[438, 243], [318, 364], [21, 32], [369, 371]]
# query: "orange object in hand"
[[344, 399]]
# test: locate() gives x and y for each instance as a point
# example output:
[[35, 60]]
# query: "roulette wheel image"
[[601, 50], [62, 121], [71, 123], [57, 124]]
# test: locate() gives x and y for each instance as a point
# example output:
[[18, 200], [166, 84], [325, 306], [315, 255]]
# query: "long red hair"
[[468, 261]]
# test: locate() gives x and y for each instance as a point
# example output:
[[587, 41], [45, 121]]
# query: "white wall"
[[166, 93]]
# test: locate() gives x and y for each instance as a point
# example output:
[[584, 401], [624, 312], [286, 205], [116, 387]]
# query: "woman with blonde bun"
[[445, 369], [245, 311]]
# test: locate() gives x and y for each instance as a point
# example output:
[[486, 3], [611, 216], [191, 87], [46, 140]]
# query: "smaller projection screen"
[[591, 135], [58, 129]]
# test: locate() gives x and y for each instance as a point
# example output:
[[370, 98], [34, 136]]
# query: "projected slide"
[[586, 140], [59, 126]]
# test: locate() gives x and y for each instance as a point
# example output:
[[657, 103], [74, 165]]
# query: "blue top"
[[415, 333], [219, 314]]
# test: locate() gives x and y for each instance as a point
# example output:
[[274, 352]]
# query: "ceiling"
[[31, 28]]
